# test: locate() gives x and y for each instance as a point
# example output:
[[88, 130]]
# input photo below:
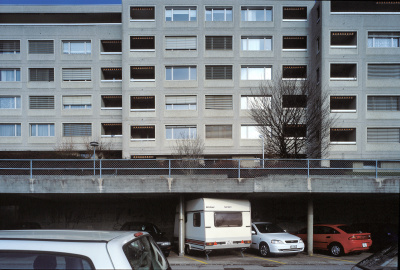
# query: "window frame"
[[189, 73], [132, 98], [190, 131], [247, 100], [170, 106], [41, 102], [343, 78], [225, 9], [218, 72], [12, 48], [188, 8], [384, 136], [218, 102], [77, 106], [395, 36], [152, 127], [16, 74], [294, 20], [132, 38], [82, 130], [379, 107], [103, 107], [342, 97], [111, 135], [186, 45], [16, 102], [104, 73], [34, 50], [50, 129], [16, 132], [246, 129], [267, 74], [87, 50], [219, 43], [40, 73], [219, 131], [143, 20], [244, 13], [78, 72], [343, 33], [109, 41], [294, 38], [343, 142], [265, 40], [153, 73]]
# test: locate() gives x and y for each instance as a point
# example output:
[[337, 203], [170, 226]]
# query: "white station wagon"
[[78, 249]]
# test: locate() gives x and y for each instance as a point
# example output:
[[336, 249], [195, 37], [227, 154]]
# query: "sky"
[[58, 2]]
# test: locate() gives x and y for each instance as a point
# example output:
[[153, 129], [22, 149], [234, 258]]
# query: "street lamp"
[[94, 144], [262, 137]]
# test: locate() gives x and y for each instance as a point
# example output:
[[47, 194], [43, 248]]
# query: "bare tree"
[[74, 148], [101, 149], [189, 153], [293, 117]]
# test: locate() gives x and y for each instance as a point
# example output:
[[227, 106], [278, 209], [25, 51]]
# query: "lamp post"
[[262, 137], [94, 144]]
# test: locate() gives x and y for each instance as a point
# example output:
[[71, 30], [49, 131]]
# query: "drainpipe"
[[181, 226], [310, 224]]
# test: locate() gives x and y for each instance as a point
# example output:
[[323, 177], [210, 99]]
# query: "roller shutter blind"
[[181, 43], [383, 103], [9, 46], [219, 102], [76, 100], [41, 102], [75, 129], [41, 47], [180, 99], [41, 74], [76, 74], [219, 132], [218, 72], [383, 135], [218, 42], [383, 71]]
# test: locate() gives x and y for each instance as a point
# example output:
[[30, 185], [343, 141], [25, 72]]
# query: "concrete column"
[[310, 223], [181, 226]]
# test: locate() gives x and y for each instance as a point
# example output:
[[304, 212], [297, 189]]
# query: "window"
[[344, 39], [295, 131], [41, 47], [180, 102], [143, 103], [383, 103], [294, 43], [383, 39], [256, 14], [295, 13], [294, 72], [343, 72], [343, 135], [111, 102], [383, 71], [41, 102], [77, 47], [218, 72], [365, 6], [218, 42], [111, 130], [77, 130], [196, 219], [250, 102], [142, 43], [180, 132], [76, 74], [256, 43], [383, 135], [219, 132], [181, 43], [143, 133], [41, 74], [111, 47], [42, 130], [181, 73], [10, 102], [340, 104], [228, 219], [249, 132], [111, 74], [294, 101], [256, 72], [144, 74], [77, 102], [9, 47], [10, 75], [218, 14], [142, 13], [219, 102], [10, 130], [183, 14]]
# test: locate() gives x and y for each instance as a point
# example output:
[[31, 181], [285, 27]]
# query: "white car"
[[269, 238], [75, 249]]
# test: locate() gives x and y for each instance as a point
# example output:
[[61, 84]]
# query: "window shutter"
[[41, 74], [218, 72], [41, 47], [218, 42], [220, 132], [383, 71], [76, 74], [41, 102], [76, 100], [384, 34], [383, 103], [181, 43], [383, 135], [72, 130], [219, 102], [180, 99], [9, 46]]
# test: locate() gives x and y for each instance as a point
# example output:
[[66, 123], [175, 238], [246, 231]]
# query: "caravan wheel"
[[187, 250]]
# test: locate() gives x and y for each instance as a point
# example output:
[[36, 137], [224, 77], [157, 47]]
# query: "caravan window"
[[196, 220], [228, 219]]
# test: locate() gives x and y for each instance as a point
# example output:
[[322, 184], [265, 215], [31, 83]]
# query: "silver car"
[[269, 238], [75, 249]]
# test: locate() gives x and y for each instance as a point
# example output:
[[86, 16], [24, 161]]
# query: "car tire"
[[336, 249], [264, 250], [187, 250], [166, 254]]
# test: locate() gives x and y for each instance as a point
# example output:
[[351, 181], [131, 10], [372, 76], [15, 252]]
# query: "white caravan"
[[215, 224]]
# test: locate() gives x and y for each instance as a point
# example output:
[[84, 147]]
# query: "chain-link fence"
[[234, 168]]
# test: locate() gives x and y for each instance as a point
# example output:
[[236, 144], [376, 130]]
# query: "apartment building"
[[138, 76]]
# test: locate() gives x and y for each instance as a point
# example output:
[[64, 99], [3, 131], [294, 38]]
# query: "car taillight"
[[247, 242], [360, 237], [211, 243], [138, 234]]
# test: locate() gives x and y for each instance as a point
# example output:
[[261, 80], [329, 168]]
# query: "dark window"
[[142, 73], [111, 74], [295, 13], [228, 219], [196, 219], [295, 131], [343, 38], [344, 72], [142, 13], [143, 132], [143, 103], [365, 6], [111, 129], [9, 46], [41, 47], [111, 46], [218, 72], [111, 101], [218, 42], [294, 72], [294, 43], [343, 103], [142, 43], [294, 101], [41, 74], [343, 135]]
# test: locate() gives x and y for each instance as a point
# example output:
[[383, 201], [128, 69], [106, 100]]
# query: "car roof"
[[63, 235], [262, 222], [334, 225]]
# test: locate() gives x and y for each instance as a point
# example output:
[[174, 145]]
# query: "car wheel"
[[264, 250], [187, 250], [336, 249], [166, 254]]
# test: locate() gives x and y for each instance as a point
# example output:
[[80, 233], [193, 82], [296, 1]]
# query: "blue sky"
[[58, 2]]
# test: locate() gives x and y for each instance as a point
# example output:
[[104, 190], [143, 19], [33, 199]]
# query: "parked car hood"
[[280, 236]]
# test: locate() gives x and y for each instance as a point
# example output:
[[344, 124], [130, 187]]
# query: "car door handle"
[[328, 237]]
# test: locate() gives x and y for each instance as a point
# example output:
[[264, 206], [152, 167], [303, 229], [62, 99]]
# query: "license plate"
[[364, 245], [293, 246]]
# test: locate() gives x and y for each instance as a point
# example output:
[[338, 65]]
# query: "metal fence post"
[[376, 169], [31, 169], [169, 168], [239, 169], [100, 167], [308, 168]]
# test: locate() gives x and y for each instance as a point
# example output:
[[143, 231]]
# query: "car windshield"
[[269, 228], [350, 229], [145, 227]]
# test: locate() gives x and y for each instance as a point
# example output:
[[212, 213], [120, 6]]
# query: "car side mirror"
[[284, 230], [253, 232]]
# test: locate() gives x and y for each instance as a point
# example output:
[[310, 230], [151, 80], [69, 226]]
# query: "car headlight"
[[276, 241], [164, 243], [300, 241]]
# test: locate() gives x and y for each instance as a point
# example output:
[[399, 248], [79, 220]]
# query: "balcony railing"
[[233, 168]]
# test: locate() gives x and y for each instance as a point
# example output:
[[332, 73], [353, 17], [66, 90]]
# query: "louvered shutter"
[[9, 46], [181, 43], [41, 102], [383, 71], [77, 100], [41, 74], [41, 47], [218, 72], [383, 135], [73, 130], [219, 102], [76, 74]]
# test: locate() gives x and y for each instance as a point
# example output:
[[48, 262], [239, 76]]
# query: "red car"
[[338, 239]]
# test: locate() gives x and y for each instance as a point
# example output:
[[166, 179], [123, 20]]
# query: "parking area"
[[233, 260]]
